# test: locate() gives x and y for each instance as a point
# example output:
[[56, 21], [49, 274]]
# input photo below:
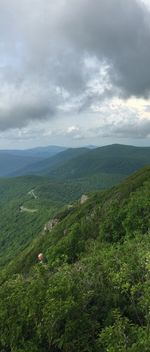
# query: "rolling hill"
[[113, 159], [41, 167], [103, 162]]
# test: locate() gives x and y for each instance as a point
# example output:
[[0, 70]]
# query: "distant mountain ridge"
[[40, 152], [10, 163], [113, 161], [43, 167], [84, 162], [13, 160]]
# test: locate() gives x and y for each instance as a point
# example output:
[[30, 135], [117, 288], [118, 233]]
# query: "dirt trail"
[[32, 193], [24, 209]]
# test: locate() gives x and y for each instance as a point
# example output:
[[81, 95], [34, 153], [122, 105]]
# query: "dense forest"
[[91, 291], [27, 203]]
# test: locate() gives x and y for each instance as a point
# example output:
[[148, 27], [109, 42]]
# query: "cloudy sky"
[[74, 72]]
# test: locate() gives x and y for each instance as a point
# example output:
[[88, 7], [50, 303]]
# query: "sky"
[[74, 72]]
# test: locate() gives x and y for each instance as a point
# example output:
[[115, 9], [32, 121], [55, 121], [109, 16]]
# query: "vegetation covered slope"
[[92, 292], [26, 204]]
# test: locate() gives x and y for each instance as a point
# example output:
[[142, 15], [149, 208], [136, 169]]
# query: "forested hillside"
[[39, 152], [110, 160], [26, 204], [46, 165], [91, 292]]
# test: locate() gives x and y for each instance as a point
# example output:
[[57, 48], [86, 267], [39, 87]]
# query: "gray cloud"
[[137, 129], [73, 51], [117, 31], [27, 103], [20, 115]]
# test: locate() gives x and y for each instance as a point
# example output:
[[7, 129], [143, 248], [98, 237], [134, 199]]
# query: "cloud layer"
[[70, 56]]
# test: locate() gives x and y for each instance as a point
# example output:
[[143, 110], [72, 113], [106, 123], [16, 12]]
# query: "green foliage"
[[93, 294], [18, 228]]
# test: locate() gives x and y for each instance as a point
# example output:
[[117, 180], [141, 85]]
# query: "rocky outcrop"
[[83, 199], [50, 225]]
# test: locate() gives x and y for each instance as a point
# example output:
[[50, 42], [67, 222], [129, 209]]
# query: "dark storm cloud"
[[21, 113]]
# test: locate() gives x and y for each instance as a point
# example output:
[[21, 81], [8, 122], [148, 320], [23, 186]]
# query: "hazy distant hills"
[[99, 167], [83, 162], [13, 160], [40, 152], [9, 163], [113, 159], [44, 167]]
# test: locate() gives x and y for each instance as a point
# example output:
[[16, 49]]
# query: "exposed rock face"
[[83, 199], [49, 226], [70, 206]]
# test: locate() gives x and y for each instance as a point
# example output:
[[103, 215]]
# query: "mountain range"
[[13, 160], [78, 163], [44, 186]]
